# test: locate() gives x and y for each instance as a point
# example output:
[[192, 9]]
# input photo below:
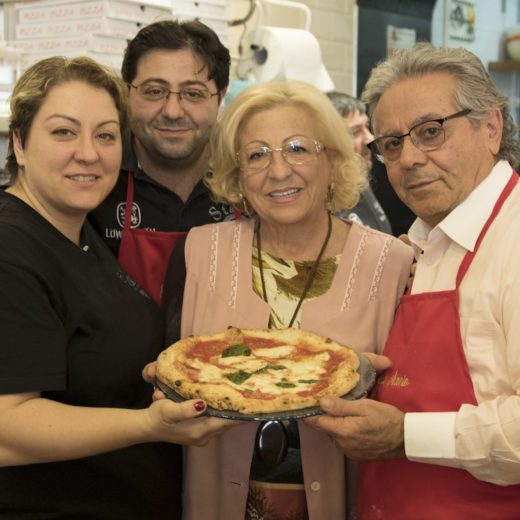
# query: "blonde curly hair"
[[348, 170]]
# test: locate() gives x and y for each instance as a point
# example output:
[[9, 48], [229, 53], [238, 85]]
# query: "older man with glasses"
[[442, 428], [177, 74]]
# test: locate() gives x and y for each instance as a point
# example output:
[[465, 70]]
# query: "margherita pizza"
[[258, 371]]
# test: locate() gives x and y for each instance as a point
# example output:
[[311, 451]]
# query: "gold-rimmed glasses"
[[297, 150]]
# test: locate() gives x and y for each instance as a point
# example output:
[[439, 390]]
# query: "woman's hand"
[[182, 423], [35, 429], [149, 372]]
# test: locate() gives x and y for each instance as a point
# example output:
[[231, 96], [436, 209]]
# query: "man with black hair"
[[177, 74]]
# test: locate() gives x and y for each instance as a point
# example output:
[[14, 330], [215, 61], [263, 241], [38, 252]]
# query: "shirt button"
[[315, 486]]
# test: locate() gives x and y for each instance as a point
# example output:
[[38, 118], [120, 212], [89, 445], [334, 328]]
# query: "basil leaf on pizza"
[[259, 371], [237, 350]]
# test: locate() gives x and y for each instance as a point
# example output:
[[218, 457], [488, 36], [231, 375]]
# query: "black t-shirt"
[[77, 329], [155, 207]]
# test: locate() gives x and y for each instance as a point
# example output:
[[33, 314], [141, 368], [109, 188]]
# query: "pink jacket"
[[358, 311]]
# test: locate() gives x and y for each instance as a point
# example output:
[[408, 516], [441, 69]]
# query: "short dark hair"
[[175, 35], [33, 86]]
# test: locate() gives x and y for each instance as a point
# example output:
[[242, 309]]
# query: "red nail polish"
[[199, 406]]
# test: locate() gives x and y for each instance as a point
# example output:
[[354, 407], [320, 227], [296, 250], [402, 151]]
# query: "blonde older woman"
[[280, 155]]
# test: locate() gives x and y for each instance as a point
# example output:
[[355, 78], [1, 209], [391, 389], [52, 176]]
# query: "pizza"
[[258, 370]]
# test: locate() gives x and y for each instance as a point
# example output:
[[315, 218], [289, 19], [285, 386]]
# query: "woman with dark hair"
[[79, 437]]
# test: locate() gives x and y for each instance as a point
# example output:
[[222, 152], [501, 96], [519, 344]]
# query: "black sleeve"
[[173, 292]]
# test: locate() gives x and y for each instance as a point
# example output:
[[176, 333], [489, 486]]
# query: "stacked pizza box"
[[211, 12], [96, 28]]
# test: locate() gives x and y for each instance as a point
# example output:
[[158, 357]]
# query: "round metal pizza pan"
[[366, 382]]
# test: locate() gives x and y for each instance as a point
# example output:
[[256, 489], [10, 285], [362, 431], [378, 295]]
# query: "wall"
[[335, 24], [492, 17], [375, 19], [491, 20]]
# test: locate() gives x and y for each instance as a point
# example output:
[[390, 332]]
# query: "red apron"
[[430, 374], [144, 254]]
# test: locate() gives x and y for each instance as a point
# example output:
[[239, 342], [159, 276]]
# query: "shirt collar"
[[130, 162], [464, 224]]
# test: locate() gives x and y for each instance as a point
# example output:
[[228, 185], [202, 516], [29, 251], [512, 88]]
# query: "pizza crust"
[[262, 370]]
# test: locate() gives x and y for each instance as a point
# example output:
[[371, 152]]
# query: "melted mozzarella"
[[207, 373], [305, 369], [266, 382], [274, 352], [243, 363]]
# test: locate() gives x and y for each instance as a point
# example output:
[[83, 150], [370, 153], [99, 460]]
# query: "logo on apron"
[[135, 219]]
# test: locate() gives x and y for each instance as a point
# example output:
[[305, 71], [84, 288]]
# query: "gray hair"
[[346, 104], [475, 89]]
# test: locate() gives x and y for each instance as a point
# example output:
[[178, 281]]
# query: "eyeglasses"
[[156, 92], [298, 150], [426, 136]]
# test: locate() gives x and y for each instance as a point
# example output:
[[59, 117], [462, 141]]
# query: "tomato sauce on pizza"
[[259, 370]]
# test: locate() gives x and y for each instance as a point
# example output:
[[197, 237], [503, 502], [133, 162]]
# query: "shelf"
[[505, 65]]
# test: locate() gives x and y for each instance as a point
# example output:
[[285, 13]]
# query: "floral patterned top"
[[285, 281], [277, 492]]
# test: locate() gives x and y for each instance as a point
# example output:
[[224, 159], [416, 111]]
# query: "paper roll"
[[292, 54]]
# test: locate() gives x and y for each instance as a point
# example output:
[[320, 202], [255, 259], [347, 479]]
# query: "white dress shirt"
[[483, 439]]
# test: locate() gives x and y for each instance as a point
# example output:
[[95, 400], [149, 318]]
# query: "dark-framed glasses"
[[426, 136], [295, 151], [157, 92]]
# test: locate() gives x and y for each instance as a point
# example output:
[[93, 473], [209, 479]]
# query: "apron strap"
[[468, 258], [129, 201]]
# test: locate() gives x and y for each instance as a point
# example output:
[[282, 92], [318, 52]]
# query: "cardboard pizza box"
[[213, 8], [78, 44], [99, 25], [52, 10]]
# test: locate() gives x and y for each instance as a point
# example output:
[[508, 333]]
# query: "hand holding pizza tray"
[[262, 374]]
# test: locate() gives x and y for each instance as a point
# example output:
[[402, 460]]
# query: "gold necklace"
[[310, 279]]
